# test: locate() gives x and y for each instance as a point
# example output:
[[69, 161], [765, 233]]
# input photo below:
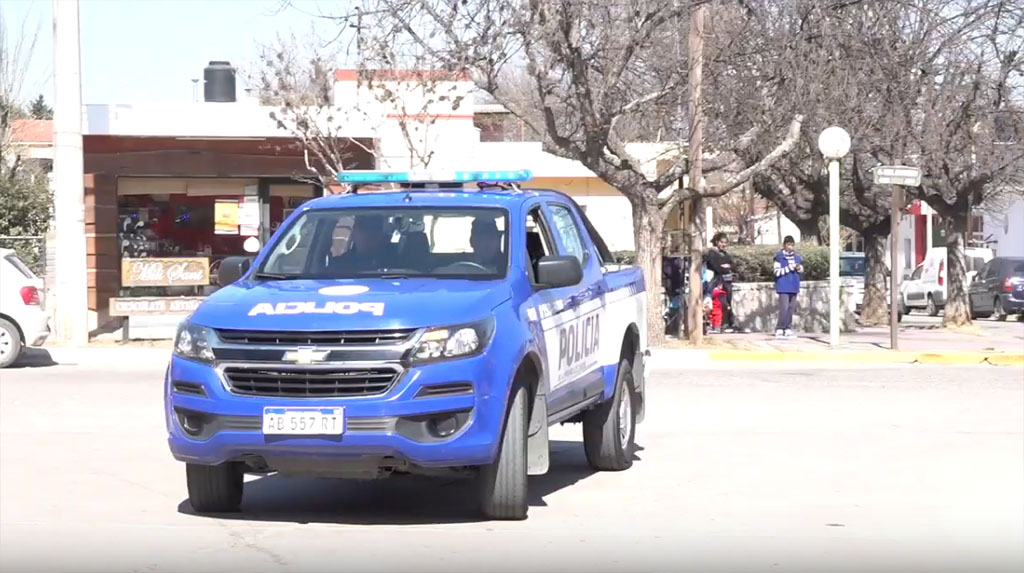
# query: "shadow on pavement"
[[34, 358], [398, 500]]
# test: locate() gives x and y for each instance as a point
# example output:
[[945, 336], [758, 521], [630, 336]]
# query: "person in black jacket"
[[720, 263]]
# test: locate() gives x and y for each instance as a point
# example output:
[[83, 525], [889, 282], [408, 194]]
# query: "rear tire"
[[503, 484], [215, 489], [10, 343], [610, 428], [932, 308]]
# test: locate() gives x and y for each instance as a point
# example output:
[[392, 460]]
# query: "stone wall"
[[756, 307]]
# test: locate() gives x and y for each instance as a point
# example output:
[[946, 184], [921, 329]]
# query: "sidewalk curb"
[[664, 356]]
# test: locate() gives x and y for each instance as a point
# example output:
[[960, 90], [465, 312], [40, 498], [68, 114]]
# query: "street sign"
[[897, 175]]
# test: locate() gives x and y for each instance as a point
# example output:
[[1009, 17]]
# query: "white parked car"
[[22, 319], [852, 269], [926, 286]]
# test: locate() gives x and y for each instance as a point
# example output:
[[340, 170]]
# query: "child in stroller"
[[713, 291]]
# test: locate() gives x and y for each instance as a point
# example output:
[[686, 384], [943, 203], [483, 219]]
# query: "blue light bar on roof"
[[433, 177]]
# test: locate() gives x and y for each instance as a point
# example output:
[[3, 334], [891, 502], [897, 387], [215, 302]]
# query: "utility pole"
[[72, 304], [695, 303]]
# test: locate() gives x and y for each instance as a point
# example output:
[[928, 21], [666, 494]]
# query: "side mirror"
[[559, 271], [231, 269]]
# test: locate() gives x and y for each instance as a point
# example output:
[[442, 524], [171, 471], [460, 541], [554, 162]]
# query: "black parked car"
[[998, 288]]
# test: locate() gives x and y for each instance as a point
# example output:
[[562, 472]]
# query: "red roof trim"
[[32, 131], [401, 75], [430, 116]]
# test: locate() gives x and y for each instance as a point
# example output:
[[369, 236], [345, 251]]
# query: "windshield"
[[431, 242], [851, 266]]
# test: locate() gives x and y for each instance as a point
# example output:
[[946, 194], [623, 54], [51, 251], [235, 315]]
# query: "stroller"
[[675, 280]]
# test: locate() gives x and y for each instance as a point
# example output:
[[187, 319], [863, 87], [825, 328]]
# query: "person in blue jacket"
[[788, 266]]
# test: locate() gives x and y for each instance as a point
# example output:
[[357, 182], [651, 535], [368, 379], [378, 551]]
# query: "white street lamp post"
[[834, 144]]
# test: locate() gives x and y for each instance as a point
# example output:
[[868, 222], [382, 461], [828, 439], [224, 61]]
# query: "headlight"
[[453, 341], [193, 342]]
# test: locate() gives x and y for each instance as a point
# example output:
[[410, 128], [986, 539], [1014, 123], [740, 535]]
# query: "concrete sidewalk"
[[922, 343]]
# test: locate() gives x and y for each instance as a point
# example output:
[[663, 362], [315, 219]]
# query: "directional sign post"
[[897, 176]]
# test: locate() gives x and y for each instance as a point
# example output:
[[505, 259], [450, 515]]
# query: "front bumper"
[[394, 425]]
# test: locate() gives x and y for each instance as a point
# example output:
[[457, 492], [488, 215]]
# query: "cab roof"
[[452, 197]]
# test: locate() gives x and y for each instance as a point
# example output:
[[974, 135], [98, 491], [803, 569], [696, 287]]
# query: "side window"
[[538, 240], [987, 271], [917, 273], [568, 232]]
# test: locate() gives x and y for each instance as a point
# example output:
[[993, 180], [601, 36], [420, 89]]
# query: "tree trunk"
[[875, 311], [647, 225], [695, 311], [695, 299], [957, 310]]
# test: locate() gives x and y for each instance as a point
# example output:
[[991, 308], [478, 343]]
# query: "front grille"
[[310, 382], [316, 338]]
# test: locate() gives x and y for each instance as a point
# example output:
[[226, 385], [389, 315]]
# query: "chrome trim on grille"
[[335, 338]]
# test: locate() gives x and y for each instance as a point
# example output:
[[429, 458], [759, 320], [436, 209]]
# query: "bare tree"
[[301, 80], [25, 201], [906, 94], [971, 143], [599, 75]]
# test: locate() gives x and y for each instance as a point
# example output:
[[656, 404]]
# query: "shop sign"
[[225, 217], [249, 216], [141, 305], [191, 271]]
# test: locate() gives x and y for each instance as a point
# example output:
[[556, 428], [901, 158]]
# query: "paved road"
[[899, 469]]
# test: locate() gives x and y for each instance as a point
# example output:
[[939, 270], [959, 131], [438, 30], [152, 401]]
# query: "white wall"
[[766, 228], [613, 219], [1007, 228]]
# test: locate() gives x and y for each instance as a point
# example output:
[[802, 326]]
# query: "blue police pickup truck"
[[438, 327]]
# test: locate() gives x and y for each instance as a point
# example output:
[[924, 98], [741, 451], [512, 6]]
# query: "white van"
[[926, 287]]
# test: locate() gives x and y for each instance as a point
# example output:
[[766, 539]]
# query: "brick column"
[[102, 252]]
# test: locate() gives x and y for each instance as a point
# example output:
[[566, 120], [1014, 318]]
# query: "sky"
[[143, 51]]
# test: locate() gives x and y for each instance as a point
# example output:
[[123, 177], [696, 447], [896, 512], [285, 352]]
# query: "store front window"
[[204, 220]]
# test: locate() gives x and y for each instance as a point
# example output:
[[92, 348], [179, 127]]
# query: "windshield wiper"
[[276, 276]]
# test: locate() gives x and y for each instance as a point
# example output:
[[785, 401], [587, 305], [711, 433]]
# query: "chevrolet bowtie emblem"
[[306, 355]]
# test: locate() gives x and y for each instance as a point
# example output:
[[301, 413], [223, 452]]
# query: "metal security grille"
[[299, 382]]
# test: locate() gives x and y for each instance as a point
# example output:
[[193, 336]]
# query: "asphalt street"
[[903, 468]]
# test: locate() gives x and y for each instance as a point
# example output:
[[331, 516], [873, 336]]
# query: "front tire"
[[215, 489], [610, 428], [10, 343], [503, 484]]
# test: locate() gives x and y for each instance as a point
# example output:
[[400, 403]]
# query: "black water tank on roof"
[[219, 82]]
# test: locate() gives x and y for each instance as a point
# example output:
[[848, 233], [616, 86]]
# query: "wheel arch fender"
[[530, 371], [632, 351], [14, 323]]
